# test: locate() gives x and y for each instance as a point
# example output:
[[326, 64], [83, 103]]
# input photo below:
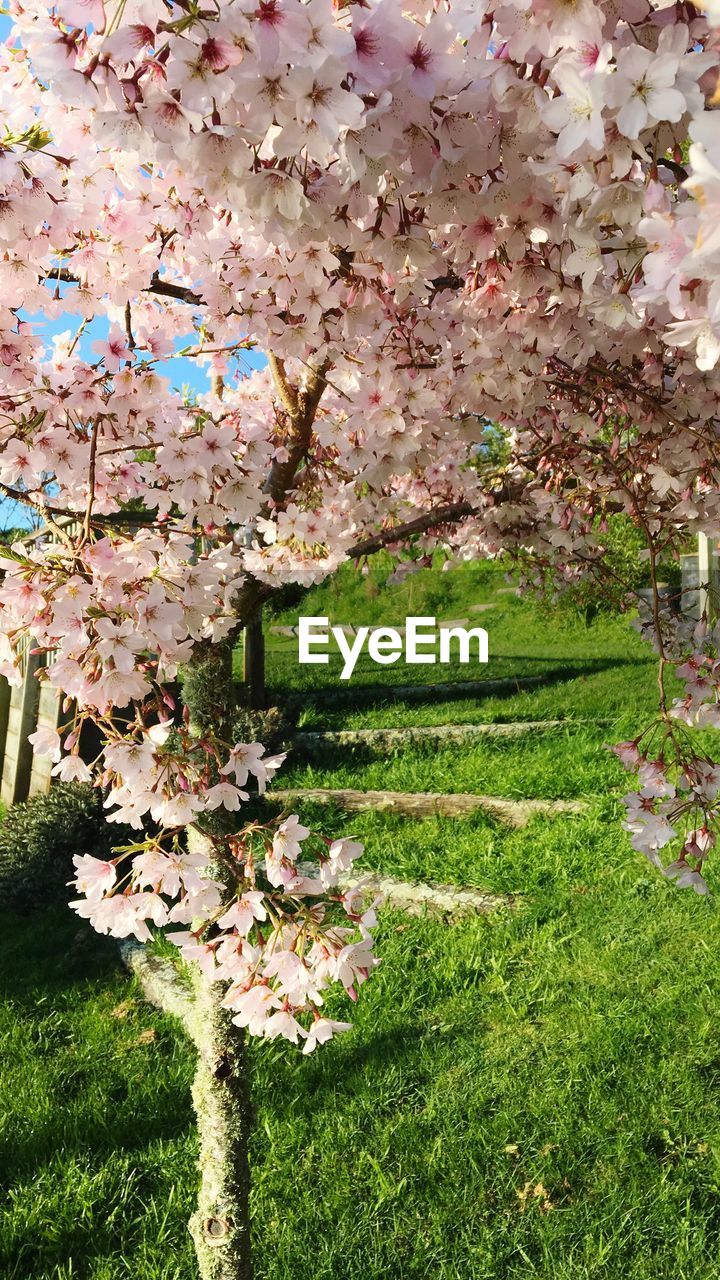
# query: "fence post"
[[704, 579], [254, 662], [22, 719], [48, 717]]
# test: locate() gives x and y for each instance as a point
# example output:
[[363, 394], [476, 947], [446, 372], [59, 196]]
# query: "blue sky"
[[181, 372]]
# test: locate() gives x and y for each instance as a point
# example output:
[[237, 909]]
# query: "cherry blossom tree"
[[430, 218]]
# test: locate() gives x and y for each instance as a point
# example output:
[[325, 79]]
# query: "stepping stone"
[[388, 738], [428, 804], [480, 608], [508, 591], [283, 631], [417, 898]]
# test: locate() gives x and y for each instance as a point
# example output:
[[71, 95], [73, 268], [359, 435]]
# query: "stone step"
[[443, 690], [349, 692], [416, 898], [428, 804], [165, 987], [385, 739]]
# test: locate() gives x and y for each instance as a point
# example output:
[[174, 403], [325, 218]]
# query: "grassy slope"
[[571, 1044], [602, 670], [535, 1093], [602, 676]]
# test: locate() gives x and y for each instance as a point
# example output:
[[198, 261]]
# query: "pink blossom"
[[94, 877], [435, 217], [322, 1030], [46, 742]]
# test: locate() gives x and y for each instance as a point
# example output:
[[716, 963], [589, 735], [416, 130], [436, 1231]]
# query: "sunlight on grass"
[[532, 1093]]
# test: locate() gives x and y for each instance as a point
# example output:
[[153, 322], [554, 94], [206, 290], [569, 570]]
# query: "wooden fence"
[[23, 709]]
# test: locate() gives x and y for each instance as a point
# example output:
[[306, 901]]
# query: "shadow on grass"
[[49, 951], [369, 695], [78, 1044]]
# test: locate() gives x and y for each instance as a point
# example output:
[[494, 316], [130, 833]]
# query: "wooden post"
[[254, 663], [48, 717], [17, 764], [5, 694], [704, 577]]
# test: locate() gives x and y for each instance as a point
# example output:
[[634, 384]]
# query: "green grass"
[[600, 678], [560, 765], [570, 1043], [96, 1136], [534, 1093], [599, 671]]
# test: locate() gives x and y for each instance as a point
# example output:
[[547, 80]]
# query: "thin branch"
[[91, 481], [128, 326], [678, 170]]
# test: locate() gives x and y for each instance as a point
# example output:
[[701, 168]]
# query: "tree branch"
[[302, 418], [286, 392], [161, 287], [447, 514], [160, 982]]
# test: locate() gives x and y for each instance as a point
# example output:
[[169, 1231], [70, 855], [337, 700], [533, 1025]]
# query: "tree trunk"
[[220, 1227]]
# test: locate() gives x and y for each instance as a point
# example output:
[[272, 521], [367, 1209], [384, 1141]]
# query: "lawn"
[[532, 1093]]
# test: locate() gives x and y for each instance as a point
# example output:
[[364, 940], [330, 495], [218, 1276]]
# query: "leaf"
[[122, 1010], [534, 1192]]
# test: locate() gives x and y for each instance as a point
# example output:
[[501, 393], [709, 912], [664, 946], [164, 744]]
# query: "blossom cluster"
[[271, 942], [677, 803], [436, 221]]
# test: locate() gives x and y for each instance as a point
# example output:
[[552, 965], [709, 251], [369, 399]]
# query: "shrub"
[[616, 578], [39, 837]]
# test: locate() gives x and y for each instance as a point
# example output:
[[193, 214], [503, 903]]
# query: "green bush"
[[609, 583], [39, 837]]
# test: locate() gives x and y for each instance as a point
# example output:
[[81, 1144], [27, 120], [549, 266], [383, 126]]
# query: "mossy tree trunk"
[[220, 1226]]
